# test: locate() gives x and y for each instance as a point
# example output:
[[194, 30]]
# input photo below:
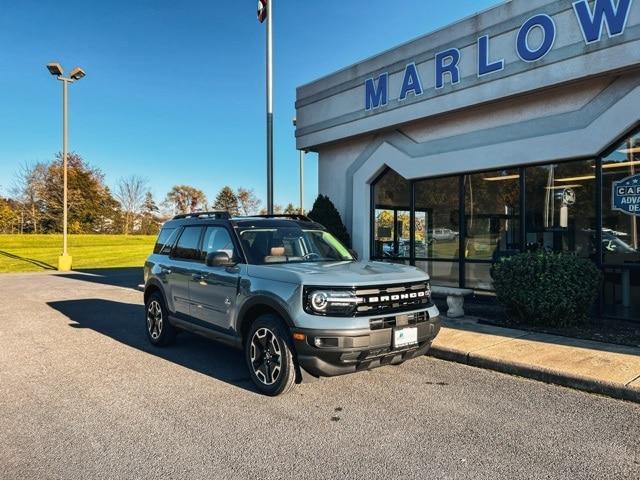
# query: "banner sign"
[[626, 195]]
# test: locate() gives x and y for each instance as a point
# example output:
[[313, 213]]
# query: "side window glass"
[[217, 239], [165, 241], [187, 246]]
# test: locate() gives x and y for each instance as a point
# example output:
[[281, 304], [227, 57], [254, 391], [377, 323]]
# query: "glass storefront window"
[[437, 213], [492, 214], [391, 217], [478, 276], [445, 273], [620, 215], [620, 244], [560, 208]]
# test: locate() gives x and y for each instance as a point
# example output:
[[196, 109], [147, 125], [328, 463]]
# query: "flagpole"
[[269, 108]]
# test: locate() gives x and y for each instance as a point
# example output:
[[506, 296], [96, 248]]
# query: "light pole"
[[55, 69], [301, 152]]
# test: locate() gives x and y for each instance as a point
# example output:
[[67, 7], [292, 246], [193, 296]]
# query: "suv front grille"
[[390, 322], [392, 298]]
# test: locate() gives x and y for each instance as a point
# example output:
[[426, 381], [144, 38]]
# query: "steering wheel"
[[311, 255]]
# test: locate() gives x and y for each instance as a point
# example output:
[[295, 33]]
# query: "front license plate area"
[[405, 337]]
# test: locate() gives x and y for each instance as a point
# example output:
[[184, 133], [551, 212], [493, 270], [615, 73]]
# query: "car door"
[[185, 263], [214, 290]]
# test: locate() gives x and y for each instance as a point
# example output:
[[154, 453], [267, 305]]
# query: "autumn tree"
[[8, 216], [248, 203], [91, 206], [277, 209], [290, 209], [227, 201], [186, 199]]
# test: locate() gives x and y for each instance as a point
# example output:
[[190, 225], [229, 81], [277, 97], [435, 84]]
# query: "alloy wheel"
[[154, 319], [266, 356]]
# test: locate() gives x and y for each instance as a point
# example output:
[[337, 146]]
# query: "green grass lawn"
[[32, 253]]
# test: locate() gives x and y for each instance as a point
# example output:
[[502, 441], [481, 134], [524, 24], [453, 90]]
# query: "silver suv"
[[288, 293]]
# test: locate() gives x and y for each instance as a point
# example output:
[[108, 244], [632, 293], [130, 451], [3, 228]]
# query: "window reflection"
[[560, 212], [492, 208], [392, 217], [437, 212], [619, 229]]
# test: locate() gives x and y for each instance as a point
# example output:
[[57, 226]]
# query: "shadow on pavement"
[[32, 261], [124, 322], [129, 277]]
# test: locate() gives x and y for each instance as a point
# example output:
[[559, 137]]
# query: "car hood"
[[338, 273]]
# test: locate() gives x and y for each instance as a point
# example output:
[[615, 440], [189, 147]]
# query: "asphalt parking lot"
[[82, 395]]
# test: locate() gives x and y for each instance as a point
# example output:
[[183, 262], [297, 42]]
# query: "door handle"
[[198, 277]]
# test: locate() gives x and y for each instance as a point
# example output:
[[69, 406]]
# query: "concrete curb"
[[614, 390]]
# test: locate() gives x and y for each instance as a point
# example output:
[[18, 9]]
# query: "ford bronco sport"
[[288, 293]]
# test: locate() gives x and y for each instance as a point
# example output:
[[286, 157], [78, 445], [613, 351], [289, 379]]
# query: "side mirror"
[[218, 259], [354, 254]]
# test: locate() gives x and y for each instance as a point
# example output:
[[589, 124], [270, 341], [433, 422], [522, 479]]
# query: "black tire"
[[269, 355], [159, 330]]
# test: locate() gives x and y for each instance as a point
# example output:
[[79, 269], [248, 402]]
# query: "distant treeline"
[[35, 203]]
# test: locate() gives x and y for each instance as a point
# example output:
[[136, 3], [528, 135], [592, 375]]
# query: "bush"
[[325, 213], [550, 289]]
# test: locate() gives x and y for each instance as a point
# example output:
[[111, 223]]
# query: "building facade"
[[516, 129]]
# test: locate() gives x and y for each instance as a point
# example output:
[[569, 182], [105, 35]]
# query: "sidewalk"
[[595, 367]]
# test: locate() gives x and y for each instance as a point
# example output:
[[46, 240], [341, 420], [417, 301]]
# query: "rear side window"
[[165, 239], [187, 246]]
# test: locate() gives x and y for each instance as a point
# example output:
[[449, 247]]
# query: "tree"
[[290, 209], [8, 216], [92, 208], [248, 203], [227, 201], [186, 199], [28, 189], [325, 213], [277, 209], [149, 223], [130, 192]]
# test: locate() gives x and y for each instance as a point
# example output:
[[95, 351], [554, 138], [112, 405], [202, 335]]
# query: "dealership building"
[[511, 130]]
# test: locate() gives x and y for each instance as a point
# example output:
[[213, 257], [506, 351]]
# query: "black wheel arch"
[[152, 286], [257, 306]]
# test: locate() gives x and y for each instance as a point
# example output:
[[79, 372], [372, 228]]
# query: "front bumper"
[[348, 351]]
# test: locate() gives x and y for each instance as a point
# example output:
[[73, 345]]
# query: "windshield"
[[291, 245]]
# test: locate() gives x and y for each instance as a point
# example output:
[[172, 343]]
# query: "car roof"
[[245, 222]]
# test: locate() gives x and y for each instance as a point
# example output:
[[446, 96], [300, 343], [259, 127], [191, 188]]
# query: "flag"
[[262, 10]]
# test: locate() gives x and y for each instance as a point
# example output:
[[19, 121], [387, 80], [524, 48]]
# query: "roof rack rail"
[[293, 216], [217, 214]]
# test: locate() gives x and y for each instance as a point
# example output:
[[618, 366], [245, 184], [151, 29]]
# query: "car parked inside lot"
[[444, 234], [287, 292]]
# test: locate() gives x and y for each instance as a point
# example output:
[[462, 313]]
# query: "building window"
[[492, 222], [437, 243], [561, 208], [492, 214], [391, 218], [620, 242]]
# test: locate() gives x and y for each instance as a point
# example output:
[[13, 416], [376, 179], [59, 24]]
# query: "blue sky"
[[175, 89]]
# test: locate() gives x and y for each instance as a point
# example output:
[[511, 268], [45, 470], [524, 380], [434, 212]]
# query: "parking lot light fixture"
[[55, 69]]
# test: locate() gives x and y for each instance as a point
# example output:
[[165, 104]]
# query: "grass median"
[[33, 253]]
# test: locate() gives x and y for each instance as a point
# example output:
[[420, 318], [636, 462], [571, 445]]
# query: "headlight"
[[331, 302]]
